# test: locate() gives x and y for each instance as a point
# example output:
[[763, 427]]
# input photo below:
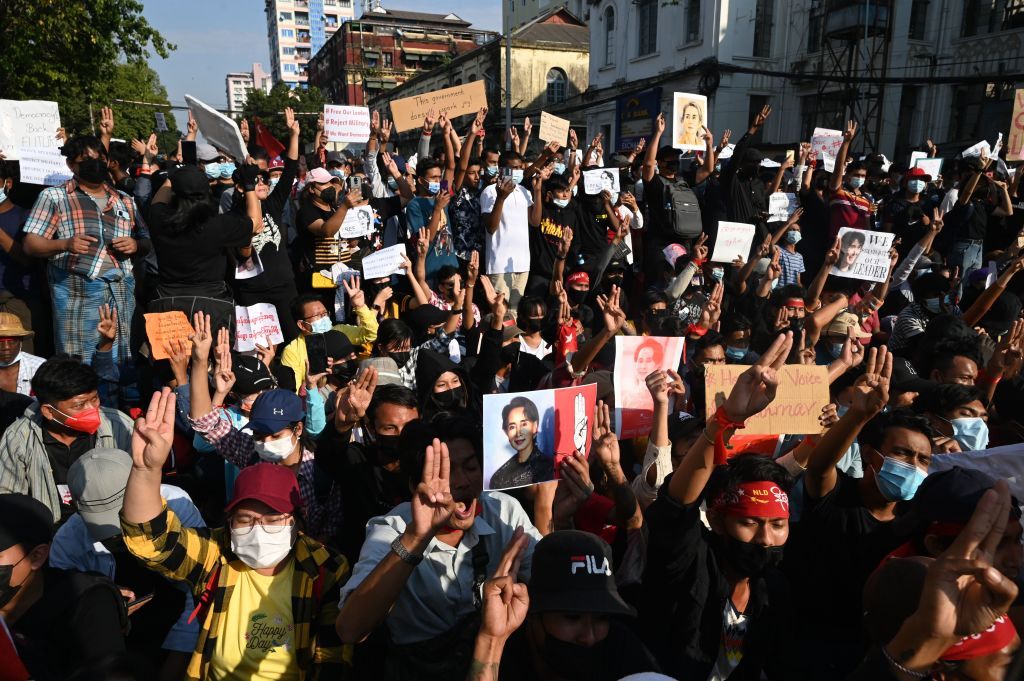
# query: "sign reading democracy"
[[27, 124], [346, 123]]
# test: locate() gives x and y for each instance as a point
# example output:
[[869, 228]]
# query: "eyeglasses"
[[314, 317], [271, 523]]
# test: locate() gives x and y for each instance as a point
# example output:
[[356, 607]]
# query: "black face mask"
[[401, 358], [93, 170], [509, 354], [575, 296], [574, 662], [530, 324], [387, 447], [8, 590], [613, 280], [796, 324], [454, 398], [343, 371], [746, 558], [329, 196], [654, 317]]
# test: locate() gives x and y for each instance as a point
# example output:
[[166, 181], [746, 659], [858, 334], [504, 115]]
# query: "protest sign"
[[358, 222], [915, 155], [863, 254], [781, 206], [828, 162], [599, 180], [636, 357], [733, 241], [161, 122], [384, 262], [801, 395], [249, 268], [981, 149], [689, 116], [526, 435], [409, 112], [163, 327], [553, 129], [1015, 143], [1002, 463], [30, 123], [44, 165], [932, 166], [346, 123], [217, 129], [826, 142], [256, 324]]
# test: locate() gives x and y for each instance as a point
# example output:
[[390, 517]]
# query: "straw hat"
[[11, 326]]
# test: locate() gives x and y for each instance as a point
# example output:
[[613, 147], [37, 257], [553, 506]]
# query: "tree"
[[136, 81], [267, 108]]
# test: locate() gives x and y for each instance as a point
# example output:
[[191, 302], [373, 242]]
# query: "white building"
[[515, 13], [239, 83], [296, 29]]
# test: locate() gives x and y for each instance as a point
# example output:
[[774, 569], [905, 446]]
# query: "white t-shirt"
[[540, 352], [730, 652], [508, 249]]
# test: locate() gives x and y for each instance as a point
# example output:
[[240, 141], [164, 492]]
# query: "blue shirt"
[[14, 276], [441, 251]]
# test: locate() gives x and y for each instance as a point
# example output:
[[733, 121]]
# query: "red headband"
[[761, 499], [993, 639], [578, 278], [794, 302]]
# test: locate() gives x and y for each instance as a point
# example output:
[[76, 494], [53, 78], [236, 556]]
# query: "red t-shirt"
[[846, 209]]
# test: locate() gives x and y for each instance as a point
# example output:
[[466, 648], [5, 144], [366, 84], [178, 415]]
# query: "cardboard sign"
[[781, 206], [932, 166], [1015, 143], [384, 262], [346, 123], [256, 324], [29, 123], [358, 222], [526, 435], [409, 112], [915, 155], [636, 358], [599, 180], [218, 129], [733, 241], [826, 142], [162, 327], [802, 394], [553, 129], [863, 254], [44, 165], [689, 117]]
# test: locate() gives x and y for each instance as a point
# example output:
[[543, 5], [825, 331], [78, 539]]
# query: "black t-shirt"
[[196, 255], [271, 244], [813, 229], [905, 217], [968, 222], [61, 456], [595, 230], [308, 213], [544, 240]]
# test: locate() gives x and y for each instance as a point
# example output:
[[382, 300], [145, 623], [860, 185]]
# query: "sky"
[[215, 37]]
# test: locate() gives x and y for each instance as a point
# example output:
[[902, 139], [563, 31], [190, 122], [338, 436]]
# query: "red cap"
[[276, 486], [275, 163], [917, 173]]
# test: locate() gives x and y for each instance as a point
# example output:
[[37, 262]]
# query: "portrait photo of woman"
[[520, 422], [688, 125], [850, 246]]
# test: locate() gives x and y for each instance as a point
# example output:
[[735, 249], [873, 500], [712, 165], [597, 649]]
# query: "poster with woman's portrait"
[[689, 117], [526, 435], [358, 222], [863, 254], [636, 358]]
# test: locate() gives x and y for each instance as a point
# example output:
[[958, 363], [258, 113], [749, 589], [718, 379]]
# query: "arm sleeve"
[[105, 366], [661, 459], [904, 269], [42, 220], [182, 554], [379, 535], [234, 445], [372, 174], [316, 418], [423, 149]]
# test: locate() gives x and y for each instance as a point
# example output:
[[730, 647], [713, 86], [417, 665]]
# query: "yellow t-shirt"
[[257, 635]]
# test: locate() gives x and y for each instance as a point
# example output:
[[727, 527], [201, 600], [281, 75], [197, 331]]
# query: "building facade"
[[385, 48], [515, 13], [296, 29], [239, 83]]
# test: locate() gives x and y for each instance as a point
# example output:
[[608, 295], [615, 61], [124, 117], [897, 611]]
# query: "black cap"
[[667, 153], [753, 156], [25, 521], [251, 375], [191, 182], [338, 345], [572, 572], [905, 378], [425, 316], [949, 496]]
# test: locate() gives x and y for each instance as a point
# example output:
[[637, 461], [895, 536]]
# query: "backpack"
[[681, 209]]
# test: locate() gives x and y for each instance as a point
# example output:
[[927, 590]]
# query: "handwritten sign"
[[826, 142], [346, 123], [358, 222], [553, 129], [781, 206], [733, 241], [163, 327], [384, 262], [599, 180], [217, 129], [44, 165], [982, 149], [863, 254], [409, 112], [932, 166], [637, 357], [1015, 143], [802, 394], [31, 123], [256, 324]]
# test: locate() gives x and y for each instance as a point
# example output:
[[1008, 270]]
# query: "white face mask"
[[259, 548], [275, 451], [17, 358]]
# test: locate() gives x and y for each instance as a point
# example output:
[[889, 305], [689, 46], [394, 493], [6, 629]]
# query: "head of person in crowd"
[[310, 314], [850, 247], [341, 356], [819, 180], [474, 178], [394, 340], [424, 321], [667, 159], [906, 384], [955, 360], [26, 530], [530, 314], [442, 384], [556, 192], [321, 190], [709, 349], [337, 168], [931, 291], [68, 395], [577, 287], [512, 165], [252, 378], [856, 175], [260, 156], [789, 301], [737, 330], [275, 168], [490, 165], [655, 309], [966, 167], [558, 158], [750, 165], [191, 204], [449, 283], [896, 449], [120, 159], [264, 516], [845, 325], [916, 181], [12, 334], [614, 275], [249, 172], [97, 481], [647, 358], [212, 162], [87, 158], [428, 177], [276, 422], [464, 438], [520, 421], [957, 411], [391, 409]]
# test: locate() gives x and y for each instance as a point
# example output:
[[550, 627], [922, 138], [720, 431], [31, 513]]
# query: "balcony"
[[302, 37]]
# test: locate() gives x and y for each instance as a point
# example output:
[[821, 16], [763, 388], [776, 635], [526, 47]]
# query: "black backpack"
[[681, 209]]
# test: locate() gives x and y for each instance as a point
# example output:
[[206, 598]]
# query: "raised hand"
[[659, 124], [871, 391], [506, 600], [432, 502], [428, 122], [574, 140], [614, 317], [565, 243], [755, 388], [937, 220], [354, 292], [505, 187], [852, 354], [154, 433], [473, 269], [713, 309], [851, 131], [375, 124], [243, 128], [605, 446], [661, 384], [106, 122], [386, 127], [291, 122], [574, 487], [527, 126], [353, 400], [384, 294], [579, 431], [224, 375], [726, 134], [202, 337], [762, 116], [178, 354], [513, 135], [193, 126], [832, 256], [107, 326]]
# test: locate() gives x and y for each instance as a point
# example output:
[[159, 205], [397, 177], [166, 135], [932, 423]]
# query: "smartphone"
[[188, 153], [355, 182], [790, 155], [506, 172], [141, 600], [316, 350], [444, 186]]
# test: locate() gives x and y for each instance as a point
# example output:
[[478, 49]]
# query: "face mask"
[[3, 195], [531, 324], [835, 350], [898, 481], [337, 172], [227, 170], [455, 398], [856, 182], [274, 181], [517, 175], [433, 187], [212, 170], [575, 296], [17, 358], [561, 203], [322, 325], [387, 447], [329, 196], [85, 421], [93, 170], [746, 558], [491, 171], [343, 371], [392, 184], [971, 433], [8, 590], [573, 662], [559, 168], [718, 273], [793, 237], [735, 354], [915, 186], [275, 451], [401, 358], [259, 548], [933, 305]]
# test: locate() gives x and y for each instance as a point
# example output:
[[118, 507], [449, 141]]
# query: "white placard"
[[915, 156], [932, 166], [982, 148], [346, 123], [41, 165], [256, 324], [1002, 463], [781, 206], [30, 123], [826, 142], [249, 268], [161, 121], [733, 241], [358, 222], [689, 118], [218, 129], [596, 181], [384, 262], [828, 162], [863, 254]]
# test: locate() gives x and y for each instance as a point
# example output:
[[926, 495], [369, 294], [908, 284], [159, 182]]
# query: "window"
[[288, 51], [556, 86], [511, 5], [609, 36], [815, 27], [989, 16], [918, 19], [763, 28], [289, 68], [345, 3], [285, 16], [387, 59], [330, 3], [692, 21], [647, 18], [287, 33]]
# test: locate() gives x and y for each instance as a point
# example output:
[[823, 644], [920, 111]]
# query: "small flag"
[[161, 122], [266, 140]]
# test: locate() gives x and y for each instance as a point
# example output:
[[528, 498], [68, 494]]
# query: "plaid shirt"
[[64, 212], [321, 508], [191, 555]]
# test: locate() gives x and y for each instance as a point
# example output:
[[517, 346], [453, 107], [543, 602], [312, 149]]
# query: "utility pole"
[[508, 84], [92, 121]]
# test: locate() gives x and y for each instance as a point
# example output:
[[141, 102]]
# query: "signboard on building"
[[634, 117]]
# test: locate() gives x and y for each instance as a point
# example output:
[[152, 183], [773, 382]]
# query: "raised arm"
[[467, 148], [151, 445], [605, 450], [293, 133], [839, 170], [708, 167], [524, 141], [650, 166]]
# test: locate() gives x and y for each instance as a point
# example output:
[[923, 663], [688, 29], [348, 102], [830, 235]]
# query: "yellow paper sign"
[[409, 112], [802, 394], [162, 327], [553, 129], [1015, 144]]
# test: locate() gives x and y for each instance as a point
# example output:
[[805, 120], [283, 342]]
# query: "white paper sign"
[[358, 222], [256, 324], [915, 155], [29, 123], [781, 206], [982, 148], [828, 162], [384, 262], [863, 254], [733, 241], [41, 165], [249, 268], [932, 166], [218, 129], [1005, 463], [826, 142], [346, 123], [596, 181], [689, 118]]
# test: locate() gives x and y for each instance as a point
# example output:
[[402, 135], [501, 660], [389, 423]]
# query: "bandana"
[[578, 278], [992, 640], [761, 499], [794, 302]]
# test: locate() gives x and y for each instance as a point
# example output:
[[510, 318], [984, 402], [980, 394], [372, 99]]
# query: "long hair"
[[190, 214]]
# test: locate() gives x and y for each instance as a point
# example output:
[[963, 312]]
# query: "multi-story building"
[[296, 29], [515, 13], [384, 48], [239, 83]]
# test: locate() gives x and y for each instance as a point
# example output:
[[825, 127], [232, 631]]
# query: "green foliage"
[[138, 82], [266, 107]]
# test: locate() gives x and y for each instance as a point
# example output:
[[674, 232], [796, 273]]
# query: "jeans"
[[967, 256]]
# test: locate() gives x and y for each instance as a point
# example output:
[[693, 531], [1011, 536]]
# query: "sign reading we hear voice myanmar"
[[408, 113]]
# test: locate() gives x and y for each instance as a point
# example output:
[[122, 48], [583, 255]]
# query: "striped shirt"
[[846, 209]]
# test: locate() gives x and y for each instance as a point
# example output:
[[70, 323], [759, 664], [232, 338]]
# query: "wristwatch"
[[403, 553]]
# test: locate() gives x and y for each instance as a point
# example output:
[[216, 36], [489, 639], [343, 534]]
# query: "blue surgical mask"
[[491, 170], [793, 237], [718, 273], [856, 182], [898, 481], [517, 175], [559, 168], [322, 325], [337, 172], [433, 187], [971, 433], [561, 203], [915, 186], [212, 170], [841, 410], [3, 195], [392, 184], [933, 305], [274, 181], [718, 167], [226, 170], [735, 354]]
